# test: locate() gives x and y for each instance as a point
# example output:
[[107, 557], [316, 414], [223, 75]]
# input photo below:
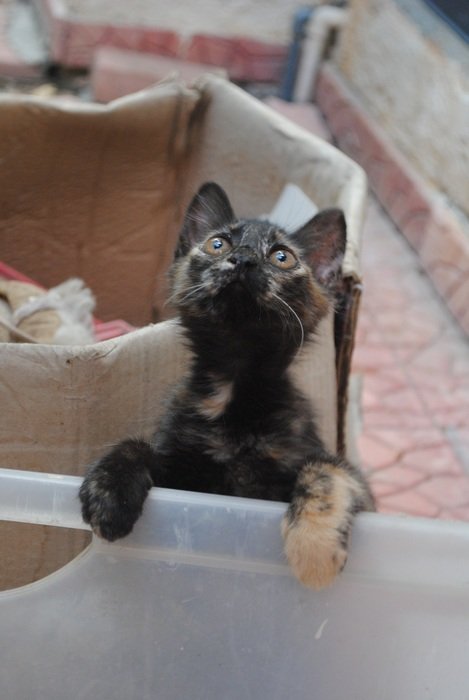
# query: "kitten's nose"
[[243, 258]]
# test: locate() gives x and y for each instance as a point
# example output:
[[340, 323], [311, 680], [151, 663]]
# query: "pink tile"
[[408, 328], [388, 379], [446, 491], [462, 316], [372, 359], [382, 418], [402, 478], [405, 441], [382, 488], [455, 514], [433, 460], [404, 401], [462, 435], [446, 242], [458, 296], [374, 453], [426, 381], [439, 400], [409, 502], [405, 198], [434, 358]]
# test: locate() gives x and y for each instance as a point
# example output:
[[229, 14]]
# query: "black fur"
[[236, 425]]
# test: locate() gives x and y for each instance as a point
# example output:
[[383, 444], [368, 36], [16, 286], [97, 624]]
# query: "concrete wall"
[[417, 93], [263, 20]]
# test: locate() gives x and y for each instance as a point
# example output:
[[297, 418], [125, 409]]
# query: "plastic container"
[[199, 603]]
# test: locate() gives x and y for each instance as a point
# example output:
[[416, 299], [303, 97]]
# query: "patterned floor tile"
[[414, 364]]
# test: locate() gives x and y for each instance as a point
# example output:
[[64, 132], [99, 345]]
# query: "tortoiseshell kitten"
[[248, 296]]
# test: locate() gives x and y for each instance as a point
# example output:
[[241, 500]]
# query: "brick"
[[257, 61], [83, 39], [118, 72], [244, 59], [72, 42], [210, 50]]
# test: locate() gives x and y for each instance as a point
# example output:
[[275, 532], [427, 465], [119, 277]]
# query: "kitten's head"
[[251, 271]]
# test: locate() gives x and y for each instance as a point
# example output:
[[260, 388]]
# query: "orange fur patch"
[[215, 404], [314, 540]]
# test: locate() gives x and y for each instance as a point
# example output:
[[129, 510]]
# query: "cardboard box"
[[100, 192]]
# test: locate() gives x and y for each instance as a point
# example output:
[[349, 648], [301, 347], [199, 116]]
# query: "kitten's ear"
[[209, 210], [323, 241]]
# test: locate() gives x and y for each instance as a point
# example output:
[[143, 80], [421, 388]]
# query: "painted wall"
[[418, 94], [264, 20]]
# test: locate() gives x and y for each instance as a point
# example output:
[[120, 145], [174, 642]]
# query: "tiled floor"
[[414, 364], [414, 367]]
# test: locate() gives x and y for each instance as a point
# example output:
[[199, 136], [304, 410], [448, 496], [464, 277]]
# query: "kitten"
[[248, 297]]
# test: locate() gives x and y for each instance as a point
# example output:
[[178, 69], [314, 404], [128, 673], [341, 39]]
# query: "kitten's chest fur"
[[246, 436]]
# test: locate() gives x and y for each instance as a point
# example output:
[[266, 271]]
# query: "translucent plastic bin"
[[198, 603]]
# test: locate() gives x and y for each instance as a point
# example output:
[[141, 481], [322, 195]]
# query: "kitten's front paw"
[[315, 550], [114, 491], [317, 525], [108, 512]]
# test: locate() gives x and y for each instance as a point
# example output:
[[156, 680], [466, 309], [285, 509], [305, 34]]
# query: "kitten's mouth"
[[239, 284], [248, 276]]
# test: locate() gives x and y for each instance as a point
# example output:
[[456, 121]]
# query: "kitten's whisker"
[[192, 291], [295, 316]]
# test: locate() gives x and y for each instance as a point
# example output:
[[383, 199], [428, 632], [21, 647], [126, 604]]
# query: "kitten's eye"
[[216, 246], [283, 258]]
